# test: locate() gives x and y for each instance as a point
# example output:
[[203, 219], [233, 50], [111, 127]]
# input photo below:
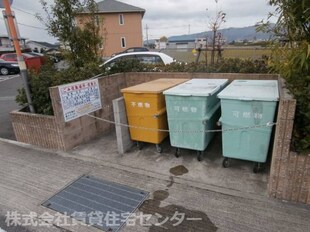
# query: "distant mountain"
[[229, 34]]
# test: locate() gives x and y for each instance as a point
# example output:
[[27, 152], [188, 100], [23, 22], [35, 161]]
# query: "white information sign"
[[80, 98]]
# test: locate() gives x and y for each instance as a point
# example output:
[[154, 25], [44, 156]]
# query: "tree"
[[292, 60], [294, 18], [215, 24], [163, 39], [81, 50], [81, 43]]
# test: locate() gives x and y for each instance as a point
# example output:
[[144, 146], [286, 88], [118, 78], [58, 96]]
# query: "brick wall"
[[290, 172], [36, 129], [84, 129], [65, 136]]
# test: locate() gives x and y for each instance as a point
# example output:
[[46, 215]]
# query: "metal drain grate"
[[97, 202]]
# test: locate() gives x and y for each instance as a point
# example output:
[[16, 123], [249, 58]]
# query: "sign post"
[[9, 18]]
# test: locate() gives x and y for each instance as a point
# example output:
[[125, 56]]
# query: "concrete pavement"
[[8, 92], [30, 176], [208, 173]]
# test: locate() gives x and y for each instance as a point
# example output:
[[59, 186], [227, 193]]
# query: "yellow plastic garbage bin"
[[146, 111]]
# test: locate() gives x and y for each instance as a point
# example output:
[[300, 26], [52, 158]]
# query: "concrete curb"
[[26, 145]]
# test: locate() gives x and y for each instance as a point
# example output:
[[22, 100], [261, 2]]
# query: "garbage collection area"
[[185, 118], [95, 138], [192, 111]]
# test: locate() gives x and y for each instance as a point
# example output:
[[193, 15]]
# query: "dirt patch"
[[178, 170], [192, 220]]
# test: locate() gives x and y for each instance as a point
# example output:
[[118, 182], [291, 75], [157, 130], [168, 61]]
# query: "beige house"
[[120, 26]]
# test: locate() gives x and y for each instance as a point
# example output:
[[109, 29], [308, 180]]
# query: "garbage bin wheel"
[[257, 167], [159, 148], [140, 145], [199, 155], [177, 152], [226, 162]]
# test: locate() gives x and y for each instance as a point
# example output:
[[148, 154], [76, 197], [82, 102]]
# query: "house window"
[[121, 19], [123, 42]]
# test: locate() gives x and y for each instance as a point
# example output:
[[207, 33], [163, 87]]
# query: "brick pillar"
[[290, 172]]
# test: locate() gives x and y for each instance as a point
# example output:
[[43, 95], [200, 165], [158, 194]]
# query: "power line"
[[26, 25], [26, 12], [32, 14], [41, 28]]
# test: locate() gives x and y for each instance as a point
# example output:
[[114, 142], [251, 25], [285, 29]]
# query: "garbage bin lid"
[[156, 86], [260, 90], [197, 87]]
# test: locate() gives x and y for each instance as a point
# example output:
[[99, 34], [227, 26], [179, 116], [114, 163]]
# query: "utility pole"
[[206, 53], [189, 28], [147, 35], [9, 16]]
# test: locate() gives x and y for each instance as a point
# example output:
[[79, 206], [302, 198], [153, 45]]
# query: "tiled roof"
[[112, 6], [45, 44]]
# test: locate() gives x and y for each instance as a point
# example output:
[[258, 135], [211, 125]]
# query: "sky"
[[162, 17]]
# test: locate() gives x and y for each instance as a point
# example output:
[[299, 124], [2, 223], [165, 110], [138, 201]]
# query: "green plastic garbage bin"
[[248, 109], [193, 108]]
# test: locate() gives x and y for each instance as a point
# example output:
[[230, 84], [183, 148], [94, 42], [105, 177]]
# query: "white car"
[[143, 57]]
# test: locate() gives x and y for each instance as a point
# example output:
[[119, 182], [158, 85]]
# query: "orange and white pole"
[[20, 59]]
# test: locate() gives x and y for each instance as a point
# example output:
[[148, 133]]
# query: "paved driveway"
[[8, 91]]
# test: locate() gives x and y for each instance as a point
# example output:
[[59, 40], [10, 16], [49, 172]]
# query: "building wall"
[[7, 46], [160, 45], [5, 42], [32, 46], [181, 45], [111, 31]]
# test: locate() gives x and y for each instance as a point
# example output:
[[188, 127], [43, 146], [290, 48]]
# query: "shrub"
[[294, 66], [291, 59], [230, 65], [48, 77]]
